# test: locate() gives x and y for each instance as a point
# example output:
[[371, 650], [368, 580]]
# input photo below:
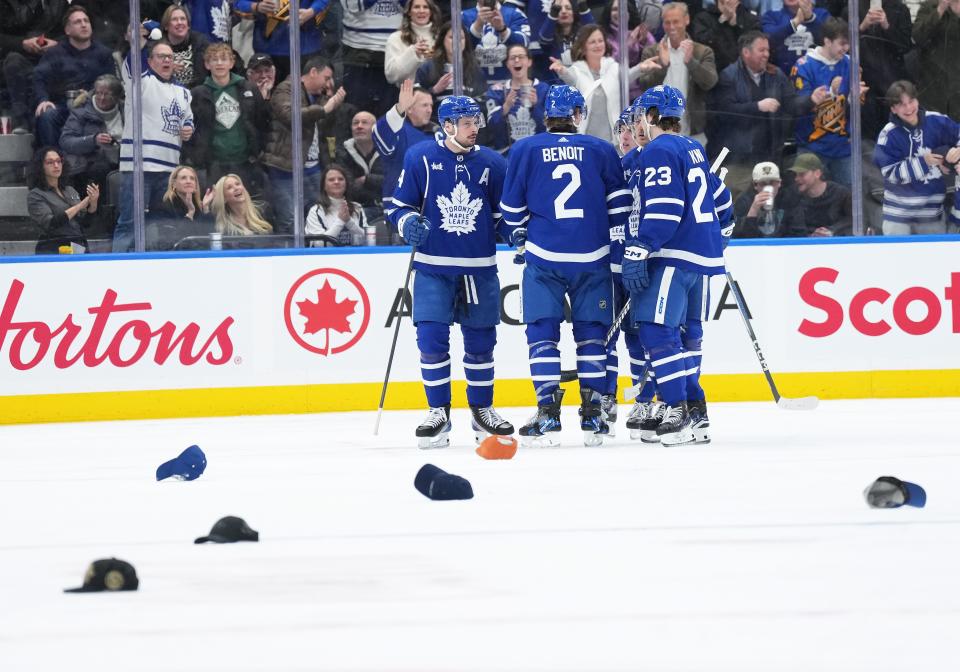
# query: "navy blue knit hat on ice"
[[435, 483]]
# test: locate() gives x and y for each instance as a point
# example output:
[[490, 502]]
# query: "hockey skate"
[[434, 431], [700, 423], [487, 421], [608, 411], [591, 418], [644, 418], [543, 429], [676, 427]]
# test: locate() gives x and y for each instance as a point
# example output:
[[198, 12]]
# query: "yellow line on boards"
[[283, 399]]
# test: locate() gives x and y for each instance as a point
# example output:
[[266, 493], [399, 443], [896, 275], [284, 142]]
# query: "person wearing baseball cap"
[[262, 73], [760, 212], [824, 208]]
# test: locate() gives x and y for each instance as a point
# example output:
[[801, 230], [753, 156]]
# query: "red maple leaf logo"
[[327, 313]]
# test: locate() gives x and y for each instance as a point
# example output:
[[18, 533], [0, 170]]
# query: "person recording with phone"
[[413, 44]]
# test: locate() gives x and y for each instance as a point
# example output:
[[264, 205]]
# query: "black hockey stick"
[[797, 404], [393, 346], [570, 375]]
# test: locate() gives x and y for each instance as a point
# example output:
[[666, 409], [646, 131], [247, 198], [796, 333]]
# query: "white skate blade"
[[799, 404], [701, 435], [441, 440], [548, 440], [645, 435], [479, 435], [590, 439], [680, 438]]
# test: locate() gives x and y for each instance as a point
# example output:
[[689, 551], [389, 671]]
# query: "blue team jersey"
[[824, 131], [459, 194], [568, 191], [675, 214], [630, 162], [393, 135]]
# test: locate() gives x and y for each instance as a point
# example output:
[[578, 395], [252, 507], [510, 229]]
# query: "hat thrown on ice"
[[228, 530], [187, 466], [889, 492], [109, 574], [435, 483]]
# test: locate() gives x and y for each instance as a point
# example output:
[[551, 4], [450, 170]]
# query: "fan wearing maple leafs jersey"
[[669, 259], [445, 204], [564, 195]]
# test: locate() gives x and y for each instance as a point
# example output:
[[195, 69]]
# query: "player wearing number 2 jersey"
[[670, 256], [563, 194]]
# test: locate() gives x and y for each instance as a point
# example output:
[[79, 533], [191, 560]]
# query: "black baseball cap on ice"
[[229, 529], [108, 574]]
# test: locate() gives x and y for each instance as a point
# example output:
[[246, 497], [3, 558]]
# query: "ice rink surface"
[[756, 552]]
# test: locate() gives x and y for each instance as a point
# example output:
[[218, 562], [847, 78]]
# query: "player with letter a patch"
[[446, 204], [563, 195], [669, 258]]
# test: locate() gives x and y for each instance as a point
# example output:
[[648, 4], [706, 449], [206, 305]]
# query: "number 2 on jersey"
[[697, 175], [560, 209]]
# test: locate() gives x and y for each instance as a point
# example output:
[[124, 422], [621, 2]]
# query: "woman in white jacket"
[[334, 214], [597, 77], [410, 46]]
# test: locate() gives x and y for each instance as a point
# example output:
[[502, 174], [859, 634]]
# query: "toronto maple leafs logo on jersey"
[[171, 118], [459, 212], [490, 54], [522, 125], [386, 8], [220, 18]]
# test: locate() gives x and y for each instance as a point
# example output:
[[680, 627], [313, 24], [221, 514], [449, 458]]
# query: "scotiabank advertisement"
[[327, 318]]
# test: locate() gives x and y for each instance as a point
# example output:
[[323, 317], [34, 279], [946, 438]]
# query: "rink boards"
[[226, 333]]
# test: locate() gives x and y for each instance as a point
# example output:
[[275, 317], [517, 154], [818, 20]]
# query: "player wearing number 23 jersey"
[[672, 249]]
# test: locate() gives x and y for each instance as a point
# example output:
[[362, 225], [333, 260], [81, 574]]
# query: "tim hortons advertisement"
[[328, 317]]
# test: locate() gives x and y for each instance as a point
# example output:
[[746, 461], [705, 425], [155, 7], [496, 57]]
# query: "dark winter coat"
[[882, 60], [254, 115], [722, 37], [64, 68], [736, 121], [359, 165], [279, 146], [20, 19], [79, 144], [937, 38]]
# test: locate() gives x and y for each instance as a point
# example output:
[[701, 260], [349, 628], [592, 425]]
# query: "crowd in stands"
[[767, 79]]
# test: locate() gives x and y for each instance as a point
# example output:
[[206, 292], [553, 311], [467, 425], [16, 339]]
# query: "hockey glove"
[[555, 10], [519, 239], [583, 7], [634, 268], [416, 229]]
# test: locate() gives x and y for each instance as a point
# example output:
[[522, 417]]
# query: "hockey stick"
[[570, 375], [393, 346], [796, 404]]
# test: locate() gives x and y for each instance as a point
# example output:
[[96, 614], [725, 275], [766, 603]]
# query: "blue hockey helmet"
[[455, 108], [668, 101], [624, 120], [562, 101]]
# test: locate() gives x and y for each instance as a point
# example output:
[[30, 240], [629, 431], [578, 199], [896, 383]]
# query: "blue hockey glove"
[[519, 239], [634, 268], [416, 229]]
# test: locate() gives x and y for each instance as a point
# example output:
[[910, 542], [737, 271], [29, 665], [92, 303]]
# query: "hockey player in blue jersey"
[[669, 259], [562, 196], [446, 205]]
